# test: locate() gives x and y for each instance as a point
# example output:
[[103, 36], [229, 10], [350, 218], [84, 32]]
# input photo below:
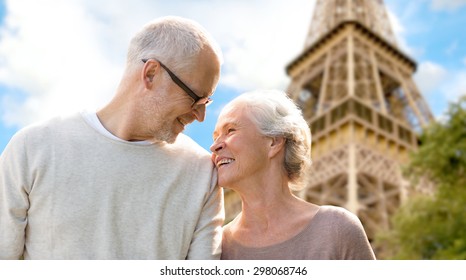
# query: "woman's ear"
[[277, 144]]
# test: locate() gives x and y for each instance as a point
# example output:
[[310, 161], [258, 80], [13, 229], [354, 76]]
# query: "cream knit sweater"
[[69, 192]]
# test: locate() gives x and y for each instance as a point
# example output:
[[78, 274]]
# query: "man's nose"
[[199, 113]]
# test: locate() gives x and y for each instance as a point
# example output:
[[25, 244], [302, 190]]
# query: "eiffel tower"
[[356, 91]]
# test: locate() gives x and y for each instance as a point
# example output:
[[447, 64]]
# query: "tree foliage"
[[434, 226]]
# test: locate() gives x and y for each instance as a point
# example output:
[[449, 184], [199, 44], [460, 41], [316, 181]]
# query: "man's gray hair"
[[276, 115], [175, 41]]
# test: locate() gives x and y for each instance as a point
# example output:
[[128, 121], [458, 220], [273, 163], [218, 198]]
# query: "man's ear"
[[149, 71], [276, 145]]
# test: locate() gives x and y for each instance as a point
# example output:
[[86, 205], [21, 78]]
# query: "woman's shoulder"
[[348, 232], [339, 215], [334, 210]]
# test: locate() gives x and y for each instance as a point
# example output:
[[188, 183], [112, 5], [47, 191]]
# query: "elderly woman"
[[262, 149]]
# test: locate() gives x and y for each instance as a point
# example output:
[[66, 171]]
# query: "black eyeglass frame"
[[197, 99]]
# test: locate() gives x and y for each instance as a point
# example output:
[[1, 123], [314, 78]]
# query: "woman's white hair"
[[175, 41], [276, 115]]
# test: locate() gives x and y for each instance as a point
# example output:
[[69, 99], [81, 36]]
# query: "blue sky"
[[58, 57]]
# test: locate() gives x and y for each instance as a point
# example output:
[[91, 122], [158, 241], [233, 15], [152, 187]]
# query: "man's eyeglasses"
[[198, 101]]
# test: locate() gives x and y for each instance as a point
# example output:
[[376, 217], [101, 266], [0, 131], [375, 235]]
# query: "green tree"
[[434, 226]]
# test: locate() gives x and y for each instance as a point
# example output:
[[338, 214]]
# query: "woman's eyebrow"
[[225, 125]]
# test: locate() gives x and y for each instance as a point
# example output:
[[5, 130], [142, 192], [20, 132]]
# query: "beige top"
[[333, 234]]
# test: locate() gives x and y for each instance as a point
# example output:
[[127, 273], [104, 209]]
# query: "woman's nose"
[[217, 146]]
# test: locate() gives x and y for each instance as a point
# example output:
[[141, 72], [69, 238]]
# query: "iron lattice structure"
[[356, 91]]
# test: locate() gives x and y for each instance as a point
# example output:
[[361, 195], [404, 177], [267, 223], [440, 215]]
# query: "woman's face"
[[239, 151]]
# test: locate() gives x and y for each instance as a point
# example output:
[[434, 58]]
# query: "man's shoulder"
[[52, 122], [46, 127], [185, 142], [40, 134]]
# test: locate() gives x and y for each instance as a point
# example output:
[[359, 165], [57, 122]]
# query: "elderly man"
[[122, 182]]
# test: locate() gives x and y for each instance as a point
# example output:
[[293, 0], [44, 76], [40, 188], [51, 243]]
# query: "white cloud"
[[447, 4], [66, 55], [259, 47], [399, 32], [456, 86], [56, 57], [440, 85], [395, 23], [402, 15], [430, 76]]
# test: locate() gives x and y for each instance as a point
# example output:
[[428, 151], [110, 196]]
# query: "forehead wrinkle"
[[228, 117], [223, 126]]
